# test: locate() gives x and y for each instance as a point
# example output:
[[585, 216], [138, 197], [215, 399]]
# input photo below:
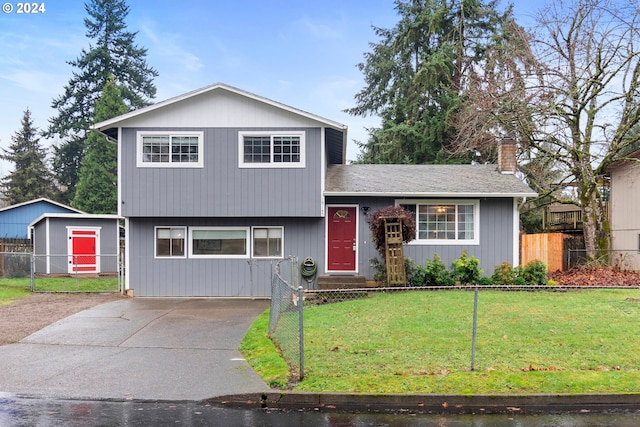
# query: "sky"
[[302, 53]]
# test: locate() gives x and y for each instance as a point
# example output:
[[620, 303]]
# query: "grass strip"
[[420, 342]]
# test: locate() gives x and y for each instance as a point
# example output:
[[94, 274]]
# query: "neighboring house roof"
[[15, 219], [423, 181], [631, 154], [41, 200]]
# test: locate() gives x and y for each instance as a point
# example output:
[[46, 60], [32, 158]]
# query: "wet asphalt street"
[[24, 412]]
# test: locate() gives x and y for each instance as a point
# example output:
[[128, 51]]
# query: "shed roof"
[[423, 181], [74, 216]]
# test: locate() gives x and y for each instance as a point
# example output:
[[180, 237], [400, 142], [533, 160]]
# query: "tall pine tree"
[[97, 190], [31, 178], [417, 74], [114, 54]]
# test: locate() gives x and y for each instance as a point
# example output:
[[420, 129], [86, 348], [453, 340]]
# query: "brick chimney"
[[507, 156]]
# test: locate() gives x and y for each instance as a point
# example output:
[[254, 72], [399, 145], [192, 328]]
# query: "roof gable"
[[58, 207], [218, 105]]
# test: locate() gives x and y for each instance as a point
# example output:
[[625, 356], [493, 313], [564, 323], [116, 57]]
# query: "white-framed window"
[[170, 149], [267, 242], [219, 242], [268, 149], [445, 222], [169, 242]]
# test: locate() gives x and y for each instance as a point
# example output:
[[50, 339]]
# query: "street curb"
[[434, 404]]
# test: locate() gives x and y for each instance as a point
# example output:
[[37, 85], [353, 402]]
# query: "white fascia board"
[[425, 195], [73, 215]]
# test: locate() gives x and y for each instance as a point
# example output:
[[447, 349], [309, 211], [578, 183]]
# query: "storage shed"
[[76, 243]]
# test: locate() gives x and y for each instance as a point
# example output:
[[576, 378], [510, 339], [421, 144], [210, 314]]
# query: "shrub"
[[519, 281], [504, 274], [433, 273], [380, 274], [534, 273], [466, 269], [380, 268], [485, 281], [410, 269]]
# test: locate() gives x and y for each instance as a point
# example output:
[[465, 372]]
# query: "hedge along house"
[[218, 184], [67, 243]]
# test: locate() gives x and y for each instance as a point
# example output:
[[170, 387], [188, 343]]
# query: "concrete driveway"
[[160, 349]]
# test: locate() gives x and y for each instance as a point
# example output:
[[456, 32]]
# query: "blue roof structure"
[[15, 219]]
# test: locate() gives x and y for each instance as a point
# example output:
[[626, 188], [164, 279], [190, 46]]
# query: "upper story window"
[[271, 149], [170, 149], [445, 222]]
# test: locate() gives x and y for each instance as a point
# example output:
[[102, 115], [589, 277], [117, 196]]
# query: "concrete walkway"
[[159, 349]]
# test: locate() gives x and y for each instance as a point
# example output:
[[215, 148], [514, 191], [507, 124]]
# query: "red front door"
[[83, 245], [341, 237]]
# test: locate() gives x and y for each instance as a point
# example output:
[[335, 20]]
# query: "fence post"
[[475, 327], [33, 272], [301, 330]]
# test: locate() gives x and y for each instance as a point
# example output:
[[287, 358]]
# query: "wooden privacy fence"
[[546, 247]]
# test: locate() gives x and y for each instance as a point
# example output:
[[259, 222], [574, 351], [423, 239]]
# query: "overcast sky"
[[302, 53]]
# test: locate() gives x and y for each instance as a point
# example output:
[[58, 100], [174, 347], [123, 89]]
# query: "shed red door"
[[341, 238], [83, 250]]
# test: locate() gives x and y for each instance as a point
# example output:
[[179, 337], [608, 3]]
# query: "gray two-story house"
[[218, 184]]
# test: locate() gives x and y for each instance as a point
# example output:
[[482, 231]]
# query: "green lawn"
[[60, 284], [420, 342]]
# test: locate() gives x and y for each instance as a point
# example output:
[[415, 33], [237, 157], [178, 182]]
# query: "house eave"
[[74, 216], [426, 195]]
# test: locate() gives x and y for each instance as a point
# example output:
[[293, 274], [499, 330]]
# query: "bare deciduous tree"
[[571, 100]]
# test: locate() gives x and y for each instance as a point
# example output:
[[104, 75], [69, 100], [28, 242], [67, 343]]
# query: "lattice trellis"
[[396, 274]]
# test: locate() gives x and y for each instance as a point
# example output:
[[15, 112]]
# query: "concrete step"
[[341, 282]]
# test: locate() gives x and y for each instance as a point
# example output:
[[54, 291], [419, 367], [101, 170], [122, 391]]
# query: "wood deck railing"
[[567, 219]]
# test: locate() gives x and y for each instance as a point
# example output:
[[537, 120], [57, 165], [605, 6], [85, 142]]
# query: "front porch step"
[[341, 282]]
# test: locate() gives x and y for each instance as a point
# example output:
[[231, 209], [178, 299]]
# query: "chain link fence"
[[15, 265], [62, 273], [77, 273], [624, 260], [286, 314]]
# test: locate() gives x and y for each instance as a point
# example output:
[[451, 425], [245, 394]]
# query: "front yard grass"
[[61, 284], [572, 342]]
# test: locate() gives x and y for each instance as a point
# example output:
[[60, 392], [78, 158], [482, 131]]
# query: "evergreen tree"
[[417, 74], [97, 190], [30, 179], [114, 54]]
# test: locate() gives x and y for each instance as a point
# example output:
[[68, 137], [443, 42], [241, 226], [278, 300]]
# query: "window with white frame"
[[170, 242], [271, 149], [170, 149], [445, 221], [219, 242], [267, 242]]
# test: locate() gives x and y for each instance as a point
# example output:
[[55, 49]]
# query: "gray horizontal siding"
[[220, 188], [191, 277]]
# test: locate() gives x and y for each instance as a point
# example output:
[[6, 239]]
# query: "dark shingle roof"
[[424, 181]]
